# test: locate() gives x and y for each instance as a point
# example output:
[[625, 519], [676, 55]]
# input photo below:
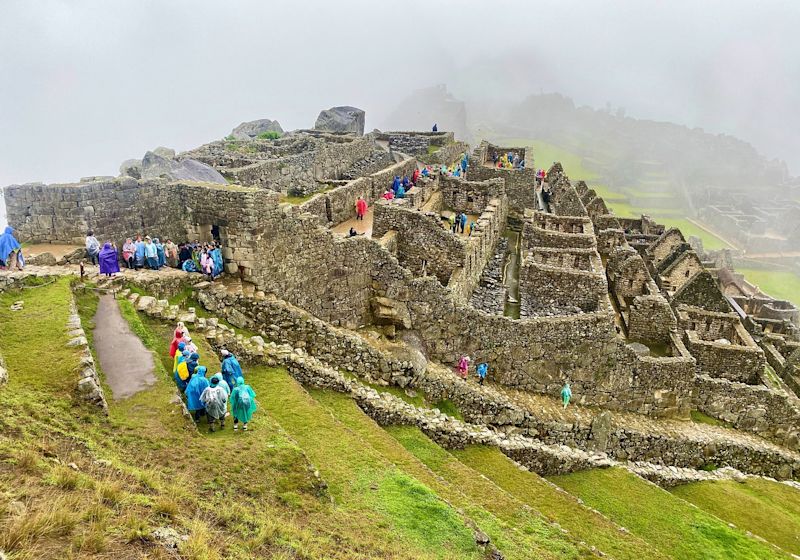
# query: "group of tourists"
[[211, 397], [150, 253], [458, 223], [508, 161], [10, 251], [458, 169]]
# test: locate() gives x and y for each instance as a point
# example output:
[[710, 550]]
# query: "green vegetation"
[[531, 489], [433, 149], [768, 509], [517, 531], [670, 524], [700, 418], [294, 198], [780, 284], [269, 135]]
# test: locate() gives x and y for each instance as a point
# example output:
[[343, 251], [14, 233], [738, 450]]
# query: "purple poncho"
[[109, 263]]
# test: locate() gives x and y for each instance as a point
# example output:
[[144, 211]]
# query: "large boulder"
[[251, 129], [155, 166], [167, 153], [341, 119], [131, 168]]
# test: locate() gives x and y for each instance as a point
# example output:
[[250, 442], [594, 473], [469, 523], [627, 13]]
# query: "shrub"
[[269, 135]]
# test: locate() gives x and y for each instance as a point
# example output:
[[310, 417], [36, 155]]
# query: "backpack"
[[244, 398]]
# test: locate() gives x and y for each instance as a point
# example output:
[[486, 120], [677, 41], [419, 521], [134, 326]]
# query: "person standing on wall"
[[361, 208], [92, 247]]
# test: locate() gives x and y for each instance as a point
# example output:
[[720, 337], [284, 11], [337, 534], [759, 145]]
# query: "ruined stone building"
[[543, 291]]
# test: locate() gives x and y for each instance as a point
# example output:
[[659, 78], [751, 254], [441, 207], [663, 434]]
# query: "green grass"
[[668, 523], [269, 135], [768, 509], [363, 482], [299, 199], [532, 490], [517, 531], [700, 418], [545, 154], [780, 284]]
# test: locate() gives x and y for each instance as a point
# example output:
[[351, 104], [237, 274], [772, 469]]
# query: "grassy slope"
[[779, 284], [560, 507], [361, 480], [235, 496], [770, 510], [672, 525], [515, 530]]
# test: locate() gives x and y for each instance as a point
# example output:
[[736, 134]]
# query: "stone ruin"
[[545, 289]]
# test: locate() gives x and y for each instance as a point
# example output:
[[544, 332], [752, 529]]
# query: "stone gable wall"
[[471, 197], [543, 285], [650, 319]]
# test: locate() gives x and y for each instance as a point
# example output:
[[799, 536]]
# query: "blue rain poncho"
[[139, 252], [197, 384], [243, 401], [222, 383], [189, 266], [216, 258], [8, 244], [231, 370]]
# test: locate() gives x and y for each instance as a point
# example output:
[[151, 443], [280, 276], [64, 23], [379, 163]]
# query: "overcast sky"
[[86, 84]]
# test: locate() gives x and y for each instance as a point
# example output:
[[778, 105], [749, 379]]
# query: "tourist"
[[401, 192], [396, 184], [231, 370], [353, 232], [405, 182], [10, 250], [415, 176], [180, 372], [215, 399], [171, 252], [109, 260], [426, 171], [193, 362], [140, 252], [128, 252], [457, 172], [190, 346], [222, 383], [463, 367], [464, 162], [452, 220], [197, 384], [243, 404], [182, 326], [482, 370], [435, 128], [176, 340], [150, 253], [566, 394], [92, 247], [184, 254], [207, 264], [361, 208], [472, 226], [216, 259], [161, 255], [463, 222], [388, 195]]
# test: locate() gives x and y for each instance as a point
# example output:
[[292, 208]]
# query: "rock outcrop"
[[155, 166], [251, 129], [341, 119]]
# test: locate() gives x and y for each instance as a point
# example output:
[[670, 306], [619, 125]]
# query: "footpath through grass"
[[670, 524], [768, 509], [516, 530], [581, 522]]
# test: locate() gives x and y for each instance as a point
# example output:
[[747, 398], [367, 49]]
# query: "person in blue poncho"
[[189, 266], [10, 250], [396, 184], [197, 384], [401, 192], [139, 252], [231, 369], [222, 383], [243, 404], [216, 257], [161, 255], [464, 163], [192, 363], [482, 370]]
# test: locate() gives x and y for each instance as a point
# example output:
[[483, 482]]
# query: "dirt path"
[[128, 366]]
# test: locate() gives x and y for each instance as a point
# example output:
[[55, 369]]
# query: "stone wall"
[[544, 286], [759, 409], [471, 197], [651, 320], [564, 199], [547, 230], [89, 387], [664, 245], [721, 345]]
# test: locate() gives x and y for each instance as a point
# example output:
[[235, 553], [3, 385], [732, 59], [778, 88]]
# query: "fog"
[[86, 84]]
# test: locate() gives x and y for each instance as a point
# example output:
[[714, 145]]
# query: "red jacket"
[[173, 347], [361, 206]]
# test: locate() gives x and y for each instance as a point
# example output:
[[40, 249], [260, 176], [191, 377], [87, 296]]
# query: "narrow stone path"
[[128, 366], [363, 227]]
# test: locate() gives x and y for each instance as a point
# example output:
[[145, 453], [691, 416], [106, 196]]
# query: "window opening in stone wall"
[[215, 233]]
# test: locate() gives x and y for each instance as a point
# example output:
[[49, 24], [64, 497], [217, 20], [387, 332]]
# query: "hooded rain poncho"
[[231, 370], [216, 259], [215, 399], [222, 383], [243, 401], [109, 261], [8, 244], [197, 384]]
